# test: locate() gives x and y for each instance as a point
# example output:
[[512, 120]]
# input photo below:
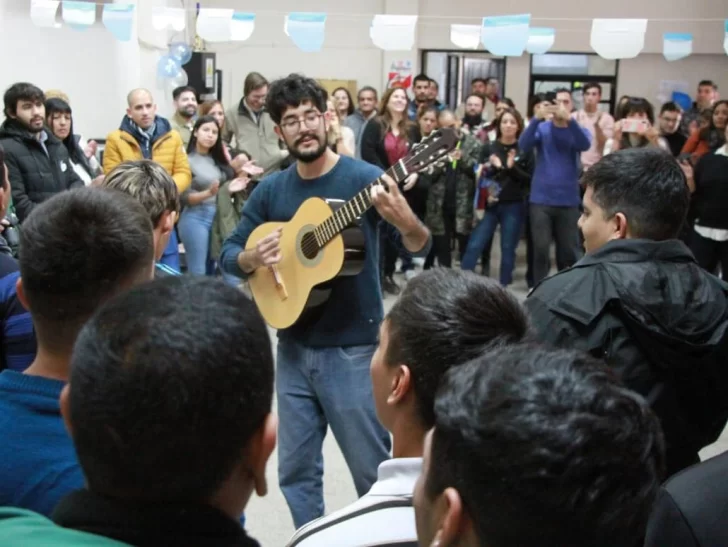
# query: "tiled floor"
[[268, 519]]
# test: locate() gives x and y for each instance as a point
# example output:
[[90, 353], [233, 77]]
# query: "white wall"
[[92, 67], [97, 70]]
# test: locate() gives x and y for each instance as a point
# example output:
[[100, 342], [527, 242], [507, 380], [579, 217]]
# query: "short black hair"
[[445, 317], [421, 77], [148, 183], [710, 83], [645, 184], [639, 105], [592, 85], [21, 91], [182, 89], [671, 107], [169, 383], [368, 88], [78, 249], [562, 90], [478, 80], [546, 447], [507, 101], [290, 92]]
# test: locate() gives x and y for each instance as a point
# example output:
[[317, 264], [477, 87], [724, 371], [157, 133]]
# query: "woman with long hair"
[[82, 154], [340, 138], [711, 135], [507, 172], [343, 103], [427, 120], [210, 168], [387, 138]]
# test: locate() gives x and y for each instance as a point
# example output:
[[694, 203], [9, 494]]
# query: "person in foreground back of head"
[[150, 184], [169, 406], [77, 250], [442, 319], [639, 300], [537, 447]]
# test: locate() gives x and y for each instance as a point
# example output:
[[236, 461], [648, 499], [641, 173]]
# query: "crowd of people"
[[136, 402]]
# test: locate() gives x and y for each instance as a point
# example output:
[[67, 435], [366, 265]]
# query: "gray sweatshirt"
[[204, 172]]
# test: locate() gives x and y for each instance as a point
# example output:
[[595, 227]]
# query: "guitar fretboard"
[[354, 208]]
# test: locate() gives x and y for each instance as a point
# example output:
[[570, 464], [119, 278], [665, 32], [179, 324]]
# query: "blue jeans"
[[510, 217], [316, 388], [170, 256], [195, 226]]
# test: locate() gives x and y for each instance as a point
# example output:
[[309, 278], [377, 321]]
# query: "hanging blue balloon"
[[181, 51], [683, 100], [168, 67]]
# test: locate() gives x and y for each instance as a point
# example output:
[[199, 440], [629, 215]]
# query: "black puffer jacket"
[[34, 175], [660, 321]]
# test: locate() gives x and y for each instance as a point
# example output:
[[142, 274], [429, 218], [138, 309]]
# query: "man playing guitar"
[[323, 365]]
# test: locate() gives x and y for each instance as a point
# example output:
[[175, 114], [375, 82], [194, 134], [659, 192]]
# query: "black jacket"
[[660, 321], [692, 508], [710, 199], [150, 524], [34, 175], [514, 181]]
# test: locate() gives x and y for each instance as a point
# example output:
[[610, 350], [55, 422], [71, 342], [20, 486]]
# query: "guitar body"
[[303, 280]]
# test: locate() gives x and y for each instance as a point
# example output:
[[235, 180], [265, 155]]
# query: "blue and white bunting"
[[119, 20], [618, 38], [677, 45], [43, 13], [242, 26], [79, 15], [214, 24], [540, 40], [506, 35], [465, 36], [306, 30], [393, 32]]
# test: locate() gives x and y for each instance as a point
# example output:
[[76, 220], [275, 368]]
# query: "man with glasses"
[[322, 376], [670, 118]]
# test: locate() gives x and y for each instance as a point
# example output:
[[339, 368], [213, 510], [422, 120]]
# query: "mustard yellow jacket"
[[167, 150]]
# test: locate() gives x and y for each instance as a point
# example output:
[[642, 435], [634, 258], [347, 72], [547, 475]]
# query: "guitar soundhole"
[[309, 247]]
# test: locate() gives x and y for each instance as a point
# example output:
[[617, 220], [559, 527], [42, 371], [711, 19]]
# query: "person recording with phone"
[[636, 129], [555, 199]]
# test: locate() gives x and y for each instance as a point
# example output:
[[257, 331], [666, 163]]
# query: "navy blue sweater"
[[354, 310], [18, 343], [555, 180]]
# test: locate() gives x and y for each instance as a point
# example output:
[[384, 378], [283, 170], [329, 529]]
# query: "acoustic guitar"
[[323, 241]]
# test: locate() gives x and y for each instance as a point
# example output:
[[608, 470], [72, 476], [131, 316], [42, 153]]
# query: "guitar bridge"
[[280, 285]]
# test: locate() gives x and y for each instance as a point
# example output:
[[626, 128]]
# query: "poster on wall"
[[400, 74]]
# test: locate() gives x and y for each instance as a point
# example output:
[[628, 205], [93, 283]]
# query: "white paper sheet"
[[242, 26], [677, 45], [393, 32], [214, 25], [173, 18], [618, 38], [43, 13], [465, 36]]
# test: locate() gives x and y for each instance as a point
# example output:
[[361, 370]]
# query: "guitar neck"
[[355, 207]]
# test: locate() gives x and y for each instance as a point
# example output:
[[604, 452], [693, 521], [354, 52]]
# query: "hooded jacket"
[[167, 150], [35, 175], [657, 319]]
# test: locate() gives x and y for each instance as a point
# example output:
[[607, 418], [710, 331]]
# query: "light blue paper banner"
[[677, 45], [242, 26], [506, 35], [725, 40], [79, 15], [306, 30], [540, 40], [119, 20]]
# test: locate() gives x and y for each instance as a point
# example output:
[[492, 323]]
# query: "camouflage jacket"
[[464, 189]]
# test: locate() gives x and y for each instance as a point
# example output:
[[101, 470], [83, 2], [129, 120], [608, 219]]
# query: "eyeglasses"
[[310, 120]]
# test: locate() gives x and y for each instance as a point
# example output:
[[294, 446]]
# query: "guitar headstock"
[[433, 148]]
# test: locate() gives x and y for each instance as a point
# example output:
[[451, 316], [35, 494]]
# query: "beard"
[[28, 127], [187, 111], [308, 156]]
